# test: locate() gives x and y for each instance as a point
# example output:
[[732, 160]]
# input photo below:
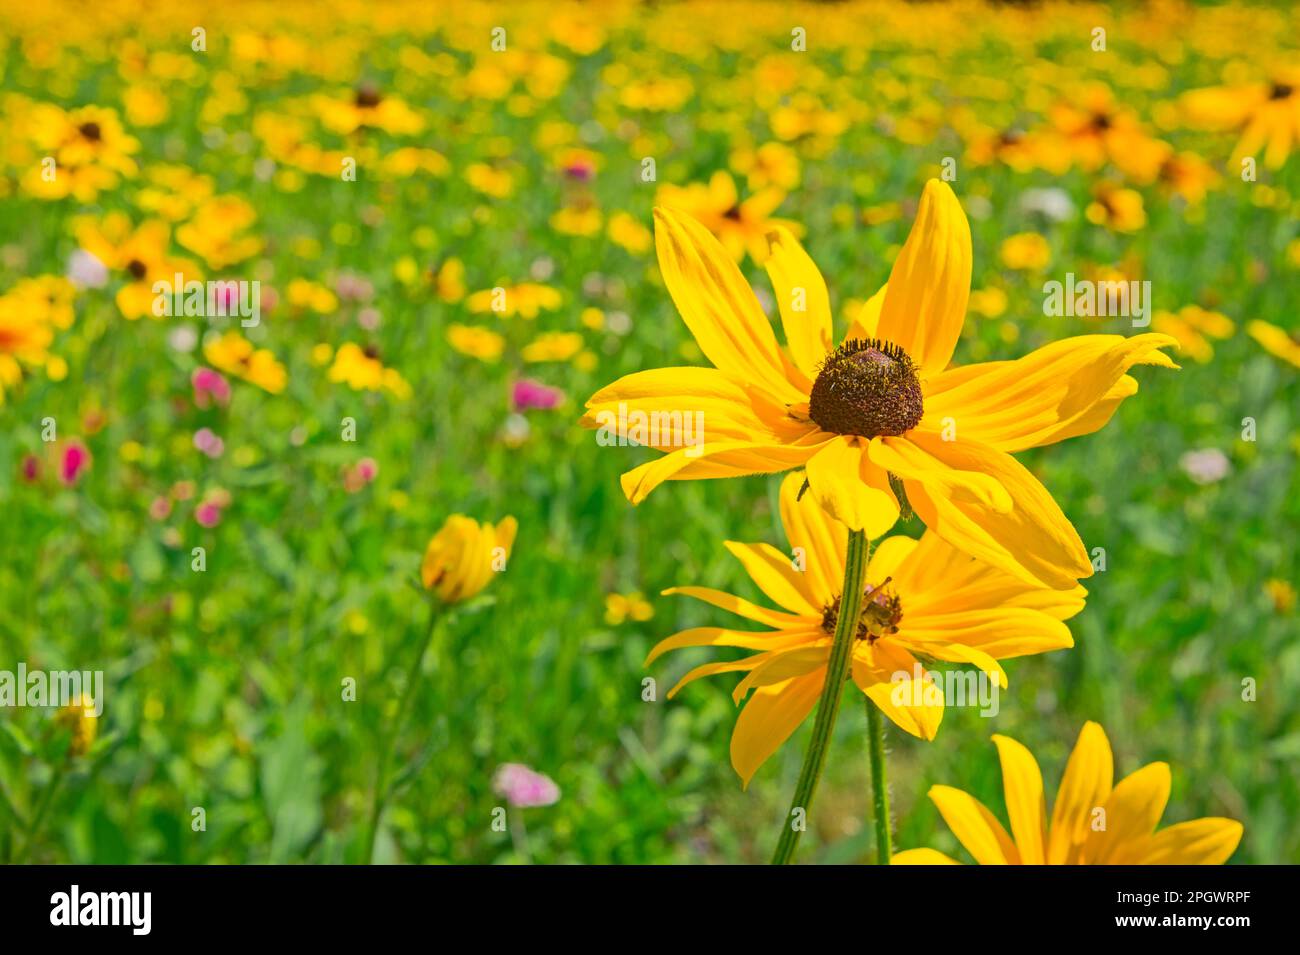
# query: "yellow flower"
[[1027, 251], [492, 181], [140, 252], [449, 280], [1266, 115], [305, 294], [216, 233], [526, 300], [924, 600], [360, 369], [1193, 327], [772, 164], [367, 108], [1116, 208], [464, 554], [235, 355], [480, 343], [1281, 593], [581, 219], [988, 302], [1276, 341], [622, 607], [1090, 128], [1092, 822], [739, 226], [80, 718], [552, 346], [627, 231], [880, 413]]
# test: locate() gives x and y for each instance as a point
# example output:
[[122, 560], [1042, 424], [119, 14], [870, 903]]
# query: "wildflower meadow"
[[719, 432]]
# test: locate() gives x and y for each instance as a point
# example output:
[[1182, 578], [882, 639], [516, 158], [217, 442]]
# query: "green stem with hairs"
[[879, 784], [837, 671]]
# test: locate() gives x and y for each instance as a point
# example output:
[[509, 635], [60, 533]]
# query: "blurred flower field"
[[433, 225]]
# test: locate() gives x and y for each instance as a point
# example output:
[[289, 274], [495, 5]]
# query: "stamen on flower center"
[[867, 387], [881, 613]]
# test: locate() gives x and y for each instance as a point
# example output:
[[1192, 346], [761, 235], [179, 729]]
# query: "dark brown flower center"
[[867, 387], [1281, 91], [733, 214], [880, 616], [368, 97], [91, 131], [137, 269]]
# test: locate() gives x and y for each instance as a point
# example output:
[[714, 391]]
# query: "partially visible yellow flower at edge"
[[1194, 326], [80, 718], [1281, 593], [1129, 814], [1276, 341], [462, 557]]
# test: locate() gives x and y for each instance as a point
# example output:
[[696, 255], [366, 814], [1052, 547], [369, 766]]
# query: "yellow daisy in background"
[[1276, 341], [924, 601], [740, 226], [462, 557], [236, 355], [1194, 327], [1266, 115], [1092, 823], [881, 413]]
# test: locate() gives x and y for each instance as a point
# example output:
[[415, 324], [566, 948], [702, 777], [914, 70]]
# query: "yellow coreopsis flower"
[[140, 252], [236, 355], [880, 413], [1277, 341], [924, 601], [1266, 115], [740, 226], [1092, 823], [462, 557]]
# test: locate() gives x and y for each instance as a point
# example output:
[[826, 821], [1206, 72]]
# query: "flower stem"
[[381, 793], [837, 671], [879, 784]]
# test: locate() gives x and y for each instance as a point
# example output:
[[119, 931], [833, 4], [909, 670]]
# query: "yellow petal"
[[768, 719], [715, 459], [922, 857], [775, 575], [738, 605], [888, 675], [1085, 787], [1048, 395], [1022, 784], [1209, 841], [1133, 810], [1033, 541], [867, 321], [815, 536], [779, 667], [977, 829], [712, 669], [888, 557], [925, 304], [718, 305], [723, 637], [802, 299], [853, 491]]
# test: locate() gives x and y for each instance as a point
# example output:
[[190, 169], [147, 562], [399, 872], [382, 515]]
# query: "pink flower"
[[360, 474], [524, 787], [210, 386], [207, 441], [160, 509], [530, 395], [73, 462], [31, 468]]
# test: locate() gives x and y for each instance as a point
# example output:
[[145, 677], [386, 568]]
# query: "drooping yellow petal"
[[744, 608], [977, 829], [785, 665], [768, 719], [1132, 812], [921, 857], [1085, 787], [723, 637], [802, 299], [1050, 394], [775, 575], [855, 492], [718, 305], [1033, 540], [1208, 841], [894, 681], [925, 304], [715, 459], [1022, 785], [712, 669], [888, 557], [817, 540]]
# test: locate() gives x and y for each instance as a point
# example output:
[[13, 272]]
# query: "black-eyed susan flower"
[[1266, 115], [140, 253], [236, 355], [464, 554], [1093, 822], [361, 370], [881, 412], [741, 226], [924, 600]]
